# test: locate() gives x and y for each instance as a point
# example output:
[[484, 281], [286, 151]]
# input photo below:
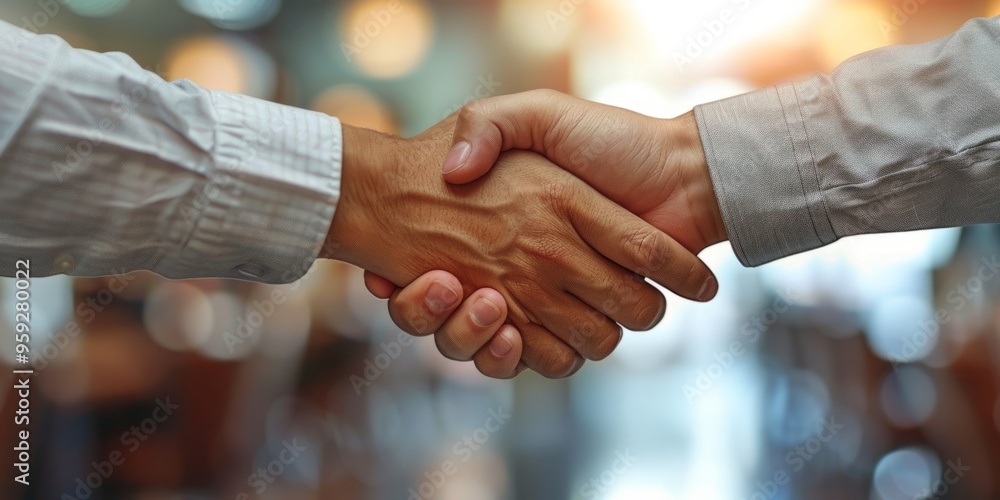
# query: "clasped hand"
[[548, 267]]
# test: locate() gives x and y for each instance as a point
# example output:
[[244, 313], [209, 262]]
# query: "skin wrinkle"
[[603, 145], [501, 237]]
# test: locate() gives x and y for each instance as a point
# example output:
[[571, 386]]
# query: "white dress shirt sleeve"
[[896, 139], [106, 168]]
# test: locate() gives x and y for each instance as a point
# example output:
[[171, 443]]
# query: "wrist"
[[366, 168], [697, 179]]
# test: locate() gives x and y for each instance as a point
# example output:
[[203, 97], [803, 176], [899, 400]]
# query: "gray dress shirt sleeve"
[[898, 139], [106, 168]]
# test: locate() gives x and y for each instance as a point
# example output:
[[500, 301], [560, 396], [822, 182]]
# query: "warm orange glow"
[[211, 62], [851, 28], [356, 106], [993, 9], [542, 28], [386, 39]]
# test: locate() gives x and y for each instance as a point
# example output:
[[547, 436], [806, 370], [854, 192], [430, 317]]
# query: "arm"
[[531, 228], [884, 144], [792, 167], [105, 168]]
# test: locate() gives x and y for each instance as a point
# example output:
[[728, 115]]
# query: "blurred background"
[[868, 369]]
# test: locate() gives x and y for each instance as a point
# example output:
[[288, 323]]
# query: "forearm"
[[106, 169], [897, 139]]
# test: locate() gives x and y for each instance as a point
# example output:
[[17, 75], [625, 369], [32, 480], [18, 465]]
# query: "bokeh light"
[[902, 329], [822, 335], [178, 316], [385, 39], [235, 15], [51, 306], [95, 8], [852, 27], [223, 63], [537, 28], [906, 474], [798, 403], [714, 27], [357, 106], [230, 336], [908, 396], [637, 96], [212, 63]]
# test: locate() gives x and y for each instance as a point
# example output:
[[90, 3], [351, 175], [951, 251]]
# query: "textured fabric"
[[105, 168], [897, 139]]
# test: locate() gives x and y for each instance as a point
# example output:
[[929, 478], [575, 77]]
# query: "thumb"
[[486, 128]]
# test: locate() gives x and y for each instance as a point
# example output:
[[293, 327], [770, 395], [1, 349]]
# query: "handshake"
[[536, 264]]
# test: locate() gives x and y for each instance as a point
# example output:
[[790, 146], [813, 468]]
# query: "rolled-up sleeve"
[[106, 168], [897, 139]]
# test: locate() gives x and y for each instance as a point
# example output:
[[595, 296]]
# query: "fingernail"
[[500, 346], [440, 297], [485, 312], [659, 317], [708, 289], [457, 157]]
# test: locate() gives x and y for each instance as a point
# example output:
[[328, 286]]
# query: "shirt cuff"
[[265, 208], [764, 175]]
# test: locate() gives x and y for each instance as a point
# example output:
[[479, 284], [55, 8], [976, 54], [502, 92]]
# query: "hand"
[[655, 168], [566, 256]]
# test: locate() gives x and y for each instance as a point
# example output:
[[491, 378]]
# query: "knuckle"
[[647, 246], [547, 95], [606, 344], [626, 286], [617, 292], [559, 364], [645, 312], [544, 93], [556, 192], [549, 248], [594, 336], [470, 112], [695, 276]]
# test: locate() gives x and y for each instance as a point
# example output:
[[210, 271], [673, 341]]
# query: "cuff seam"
[[795, 149], [732, 230]]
